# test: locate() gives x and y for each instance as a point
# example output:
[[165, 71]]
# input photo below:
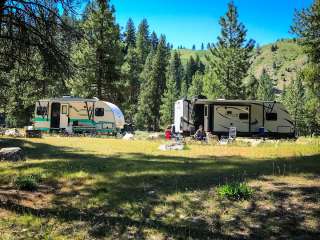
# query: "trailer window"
[[229, 112], [99, 112], [64, 109], [41, 111], [271, 116], [243, 116]]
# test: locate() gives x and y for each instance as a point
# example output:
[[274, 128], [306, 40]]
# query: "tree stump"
[[12, 154]]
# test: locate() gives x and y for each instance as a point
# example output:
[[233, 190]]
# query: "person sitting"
[[200, 135]]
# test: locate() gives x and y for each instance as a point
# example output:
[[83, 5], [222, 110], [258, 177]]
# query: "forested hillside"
[[282, 59]]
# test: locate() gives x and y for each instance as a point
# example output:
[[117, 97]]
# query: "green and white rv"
[[78, 115], [249, 117]]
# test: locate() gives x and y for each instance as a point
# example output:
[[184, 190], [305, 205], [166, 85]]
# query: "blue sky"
[[188, 22]]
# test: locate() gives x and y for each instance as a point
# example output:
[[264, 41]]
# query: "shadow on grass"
[[143, 180]]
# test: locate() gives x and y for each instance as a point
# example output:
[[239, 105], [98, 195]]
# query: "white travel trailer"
[[249, 117], [78, 115]]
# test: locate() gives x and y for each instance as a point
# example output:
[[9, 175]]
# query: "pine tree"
[[168, 99], [252, 87], [193, 47], [184, 90], [191, 69], [230, 57], [295, 100], [131, 75], [306, 26], [30, 27], [98, 56], [144, 116], [143, 41], [212, 87], [200, 66], [202, 46], [153, 86], [154, 40], [196, 87], [310, 77], [265, 89], [130, 34], [175, 70], [160, 65]]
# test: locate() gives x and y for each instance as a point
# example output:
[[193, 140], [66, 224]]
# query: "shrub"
[[28, 182], [274, 47], [235, 191]]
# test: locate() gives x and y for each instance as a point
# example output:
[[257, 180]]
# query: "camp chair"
[[232, 136]]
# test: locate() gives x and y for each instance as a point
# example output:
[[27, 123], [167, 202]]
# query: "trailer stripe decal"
[[41, 119], [223, 126], [289, 121], [217, 110], [284, 110]]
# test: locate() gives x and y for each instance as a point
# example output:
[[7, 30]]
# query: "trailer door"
[[226, 116], [64, 115]]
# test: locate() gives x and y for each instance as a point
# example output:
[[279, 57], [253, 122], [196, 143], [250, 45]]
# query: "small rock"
[[172, 146], [13, 154]]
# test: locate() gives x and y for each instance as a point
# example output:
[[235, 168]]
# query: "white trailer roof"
[[221, 101], [69, 99]]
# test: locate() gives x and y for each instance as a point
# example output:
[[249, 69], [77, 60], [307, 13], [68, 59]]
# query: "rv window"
[[41, 111], [243, 116], [64, 109], [99, 112], [271, 116], [229, 112]]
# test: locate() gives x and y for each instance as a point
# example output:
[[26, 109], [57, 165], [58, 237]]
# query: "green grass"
[[95, 188], [27, 183], [235, 191], [185, 54]]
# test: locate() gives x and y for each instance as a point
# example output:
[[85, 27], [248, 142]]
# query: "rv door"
[[206, 118], [64, 115]]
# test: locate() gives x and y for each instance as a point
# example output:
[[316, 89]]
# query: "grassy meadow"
[[95, 188]]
